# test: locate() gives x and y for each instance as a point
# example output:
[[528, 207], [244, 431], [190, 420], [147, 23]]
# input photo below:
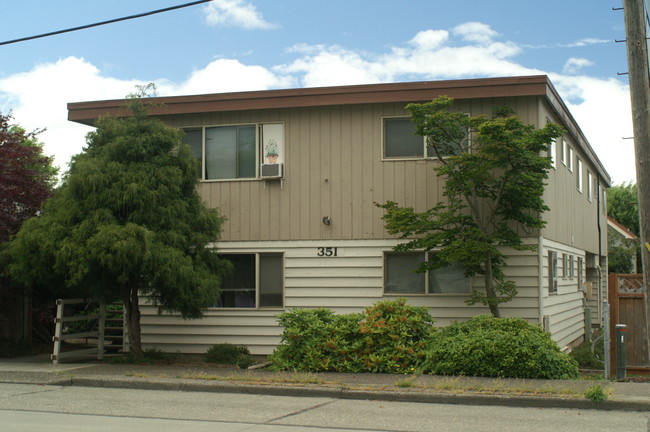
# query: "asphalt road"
[[26, 407]]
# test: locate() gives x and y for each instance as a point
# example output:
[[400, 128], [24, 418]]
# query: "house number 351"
[[328, 251]]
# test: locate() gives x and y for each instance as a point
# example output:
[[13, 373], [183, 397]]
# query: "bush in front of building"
[[388, 337], [229, 354], [498, 347]]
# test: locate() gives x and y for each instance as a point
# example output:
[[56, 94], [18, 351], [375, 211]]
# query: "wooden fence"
[[627, 307]]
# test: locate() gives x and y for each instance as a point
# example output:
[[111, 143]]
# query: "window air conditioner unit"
[[271, 171]]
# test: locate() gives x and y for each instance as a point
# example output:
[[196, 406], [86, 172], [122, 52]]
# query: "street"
[[27, 407]]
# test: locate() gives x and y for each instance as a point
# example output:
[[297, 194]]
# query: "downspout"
[[540, 278], [600, 253]]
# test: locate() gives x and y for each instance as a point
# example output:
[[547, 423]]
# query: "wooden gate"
[[627, 307]]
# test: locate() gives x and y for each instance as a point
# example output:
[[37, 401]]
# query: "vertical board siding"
[[333, 167], [346, 283], [572, 218]]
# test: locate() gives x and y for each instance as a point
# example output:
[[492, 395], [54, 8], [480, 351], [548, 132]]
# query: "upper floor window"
[[400, 140], [570, 159], [579, 175], [552, 153], [590, 186], [400, 276], [234, 151]]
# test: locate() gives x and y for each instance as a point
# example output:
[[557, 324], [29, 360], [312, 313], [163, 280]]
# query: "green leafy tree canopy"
[[494, 182], [127, 221]]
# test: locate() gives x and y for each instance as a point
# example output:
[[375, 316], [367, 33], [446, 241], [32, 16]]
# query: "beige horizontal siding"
[[345, 284], [566, 308]]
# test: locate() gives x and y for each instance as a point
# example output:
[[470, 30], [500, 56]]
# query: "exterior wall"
[[333, 167], [563, 311], [346, 283], [573, 219]]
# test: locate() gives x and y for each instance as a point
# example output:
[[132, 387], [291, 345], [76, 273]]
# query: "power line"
[[105, 22]]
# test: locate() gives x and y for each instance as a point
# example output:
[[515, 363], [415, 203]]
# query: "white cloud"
[[475, 32], [575, 64], [235, 13], [602, 109], [601, 106], [227, 75], [38, 100]]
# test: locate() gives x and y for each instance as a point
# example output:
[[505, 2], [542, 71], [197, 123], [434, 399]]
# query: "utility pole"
[[637, 60]]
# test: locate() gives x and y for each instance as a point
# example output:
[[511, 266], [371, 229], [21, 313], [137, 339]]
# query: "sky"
[[242, 45]]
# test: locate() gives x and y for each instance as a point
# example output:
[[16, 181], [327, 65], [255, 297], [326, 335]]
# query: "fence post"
[[100, 330]]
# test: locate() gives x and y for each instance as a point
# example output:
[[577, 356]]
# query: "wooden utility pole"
[[637, 60]]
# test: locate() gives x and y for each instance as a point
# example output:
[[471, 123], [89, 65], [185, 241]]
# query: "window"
[[400, 276], [572, 272], [552, 272], [579, 175], [563, 149], [552, 153], [590, 186], [256, 281], [400, 140], [565, 266], [570, 159], [232, 152], [580, 280]]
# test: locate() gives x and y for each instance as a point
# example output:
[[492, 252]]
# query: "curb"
[[475, 399]]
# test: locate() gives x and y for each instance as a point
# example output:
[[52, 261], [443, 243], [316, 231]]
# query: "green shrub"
[[389, 336], [229, 354], [585, 358], [498, 347], [395, 336], [317, 340]]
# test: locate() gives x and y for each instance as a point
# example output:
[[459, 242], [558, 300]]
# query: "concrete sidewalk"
[[426, 389]]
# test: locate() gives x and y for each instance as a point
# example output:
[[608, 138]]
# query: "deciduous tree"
[[27, 176], [126, 222], [494, 173]]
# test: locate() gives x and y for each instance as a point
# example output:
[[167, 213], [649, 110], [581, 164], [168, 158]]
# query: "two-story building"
[[297, 174]]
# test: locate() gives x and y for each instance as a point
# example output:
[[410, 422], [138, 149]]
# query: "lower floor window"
[[400, 276], [256, 281]]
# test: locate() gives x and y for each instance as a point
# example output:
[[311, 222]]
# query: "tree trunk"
[[489, 289], [133, 322]]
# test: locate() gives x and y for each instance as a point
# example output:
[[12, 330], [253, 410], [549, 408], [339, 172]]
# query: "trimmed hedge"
[[393, 337], [498, 347]]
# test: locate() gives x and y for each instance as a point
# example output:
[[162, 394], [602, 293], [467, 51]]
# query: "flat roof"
[[536, 85]]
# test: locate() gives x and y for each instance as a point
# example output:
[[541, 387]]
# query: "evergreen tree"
[[126, 222]]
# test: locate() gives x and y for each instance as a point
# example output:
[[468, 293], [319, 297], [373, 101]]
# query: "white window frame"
[[426, 276], [590, 186], [425, 147], [259, 157], [552, 272], [563, 149], [571, 267], [552, 153], [258, 279], [565, 266], [570, 159], [581, 285], [579, 174]]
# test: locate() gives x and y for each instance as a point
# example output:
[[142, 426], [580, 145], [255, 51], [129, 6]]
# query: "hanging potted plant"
[[272, 151]]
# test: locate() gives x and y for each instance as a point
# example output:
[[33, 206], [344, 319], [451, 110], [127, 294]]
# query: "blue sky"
[[235, 45]]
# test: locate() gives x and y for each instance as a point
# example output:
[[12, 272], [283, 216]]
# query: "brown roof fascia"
[[535, 85], [621, 229], [87, 112]]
